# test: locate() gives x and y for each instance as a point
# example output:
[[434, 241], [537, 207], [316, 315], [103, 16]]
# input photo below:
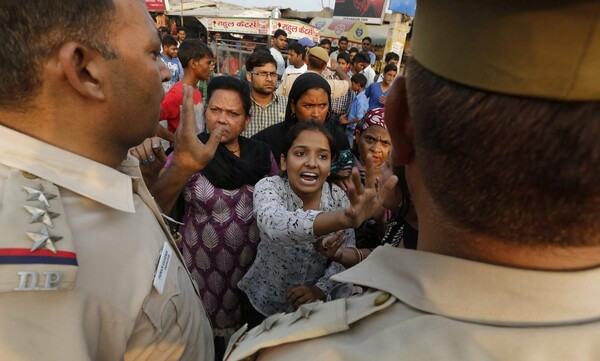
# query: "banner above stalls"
[[333, 29], [367, 11], [295, 29], [157, 5]]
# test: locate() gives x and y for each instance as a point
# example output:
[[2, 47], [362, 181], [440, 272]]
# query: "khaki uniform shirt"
[[79, 246], [339, 88], [424, 306]]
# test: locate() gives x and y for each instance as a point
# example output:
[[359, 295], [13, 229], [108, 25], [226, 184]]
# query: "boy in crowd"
[[390, 58], [197, 61], [358, 63], [359, 105]]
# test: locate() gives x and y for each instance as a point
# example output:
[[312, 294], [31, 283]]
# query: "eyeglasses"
[[264, 74], [370, 140], [366, 43]]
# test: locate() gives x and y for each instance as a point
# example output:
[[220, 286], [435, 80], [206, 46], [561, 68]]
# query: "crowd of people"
[[278, 180], [307, 208]]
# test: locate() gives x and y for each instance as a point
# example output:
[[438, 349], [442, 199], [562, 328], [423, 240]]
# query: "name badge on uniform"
[[163, 268]]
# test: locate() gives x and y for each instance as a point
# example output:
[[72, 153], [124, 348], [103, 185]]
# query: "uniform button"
[[28, 175], [381, 299]]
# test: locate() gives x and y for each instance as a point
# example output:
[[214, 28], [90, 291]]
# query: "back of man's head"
[[259, 58], [504, 149], [359, 79], [35, 29], [192, 49]]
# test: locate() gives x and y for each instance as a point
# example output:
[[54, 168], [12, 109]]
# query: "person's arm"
[[341, 74], [169, 107], [189, 157]]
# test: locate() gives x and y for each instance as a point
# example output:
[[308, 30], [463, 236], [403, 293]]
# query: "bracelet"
[[358, 253]]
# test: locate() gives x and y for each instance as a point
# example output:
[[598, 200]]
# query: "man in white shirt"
[[279, 43], [296, 56], [342, 47], [368, 71]]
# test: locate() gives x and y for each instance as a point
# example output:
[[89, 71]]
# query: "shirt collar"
[[68, 170], [479, 292]]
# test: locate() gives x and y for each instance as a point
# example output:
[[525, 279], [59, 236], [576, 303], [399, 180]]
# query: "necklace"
[[234, 151]]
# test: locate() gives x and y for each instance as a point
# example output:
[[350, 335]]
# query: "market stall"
[[244, 34]]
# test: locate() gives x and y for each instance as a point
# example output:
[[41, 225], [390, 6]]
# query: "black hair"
[[279, 32], [390, 67], [310, 125], [368, 38], [359, 79], [297, 48], [230, 83], [344, 56], [261, 47], [181, 28], [168, 40], [343, 38], [325, 41], [354, 50], [361, 58], [259, 58], [51, 24], [391, 55], [192, 49]]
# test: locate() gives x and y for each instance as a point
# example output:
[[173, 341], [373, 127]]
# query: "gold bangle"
[[357, 253]]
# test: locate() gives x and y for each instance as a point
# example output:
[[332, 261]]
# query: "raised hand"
[[367, 201], [191, 155]]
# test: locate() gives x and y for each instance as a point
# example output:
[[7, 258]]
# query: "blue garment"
[[373, 92], [373, 57], [175, 69], [358, 108]]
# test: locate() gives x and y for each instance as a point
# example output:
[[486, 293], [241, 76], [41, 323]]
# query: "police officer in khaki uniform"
[[88, 268], [502, 156]]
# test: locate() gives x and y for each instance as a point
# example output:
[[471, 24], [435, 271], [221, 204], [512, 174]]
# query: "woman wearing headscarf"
[[309, 99]]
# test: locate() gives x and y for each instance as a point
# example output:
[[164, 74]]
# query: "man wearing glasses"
[[366, 46], [267, 107]]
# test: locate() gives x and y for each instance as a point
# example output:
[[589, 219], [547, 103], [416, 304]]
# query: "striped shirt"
[[261, 118]]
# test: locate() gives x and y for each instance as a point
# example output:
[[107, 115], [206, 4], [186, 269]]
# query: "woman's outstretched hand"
[[367, 200]]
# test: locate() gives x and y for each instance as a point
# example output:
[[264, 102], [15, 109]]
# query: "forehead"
[[314, 95], [266, 67], [311, 139], [281, 37], [377, 131], [226, 99]]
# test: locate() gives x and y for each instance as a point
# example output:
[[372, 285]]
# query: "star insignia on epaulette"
[[39, 195], [41, 215], [43, 239], [303, 311], [268, 323]]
